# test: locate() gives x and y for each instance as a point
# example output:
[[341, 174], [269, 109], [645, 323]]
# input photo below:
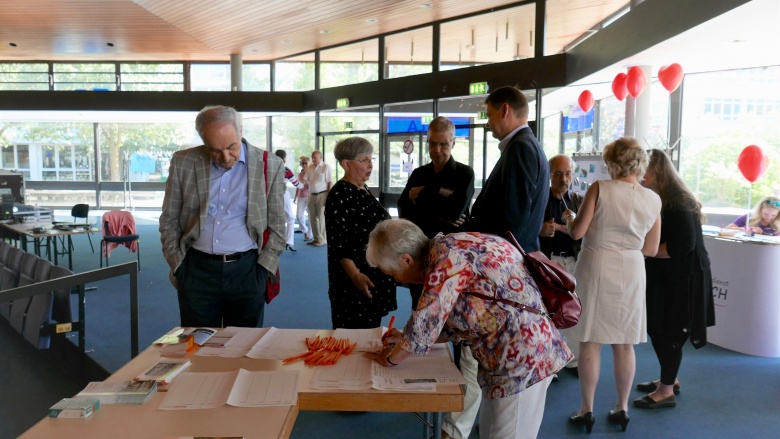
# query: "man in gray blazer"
[[213, 218]]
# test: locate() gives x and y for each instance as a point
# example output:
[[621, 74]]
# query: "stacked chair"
[[30, 314]]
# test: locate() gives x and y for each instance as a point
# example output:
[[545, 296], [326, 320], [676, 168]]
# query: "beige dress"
[[610, 269]]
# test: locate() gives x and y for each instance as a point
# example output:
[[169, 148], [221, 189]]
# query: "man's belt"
[[317, 193], [224, 258]]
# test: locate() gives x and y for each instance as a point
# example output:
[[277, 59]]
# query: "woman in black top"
[[679, 281], [359, 295]]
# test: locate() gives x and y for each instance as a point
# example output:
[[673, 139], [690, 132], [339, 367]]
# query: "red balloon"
[[752, 163], [636, 81], [619, 86], [585, 100], [671, 76]]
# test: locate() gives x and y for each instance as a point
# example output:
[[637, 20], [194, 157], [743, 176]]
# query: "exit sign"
[[478, 88], [342, 103], [426, 119], [348, 125], [482, 115]]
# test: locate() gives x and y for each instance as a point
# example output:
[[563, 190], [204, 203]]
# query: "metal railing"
[[76, 284]]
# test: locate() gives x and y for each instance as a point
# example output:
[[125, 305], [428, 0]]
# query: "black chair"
[[82, 211], [124, 236]]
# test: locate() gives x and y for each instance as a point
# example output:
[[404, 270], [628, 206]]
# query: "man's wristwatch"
[[387, 358]]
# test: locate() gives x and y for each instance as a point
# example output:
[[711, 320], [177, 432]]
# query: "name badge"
[[445, 192]]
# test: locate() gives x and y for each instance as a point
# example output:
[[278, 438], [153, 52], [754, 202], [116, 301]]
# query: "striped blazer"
[[187, 198]]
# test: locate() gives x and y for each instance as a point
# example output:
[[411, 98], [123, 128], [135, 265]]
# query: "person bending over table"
[[359, 294], [764, 220], [474, 284]]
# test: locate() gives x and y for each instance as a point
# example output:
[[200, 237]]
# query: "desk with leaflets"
[[246, 364], [745, 292]]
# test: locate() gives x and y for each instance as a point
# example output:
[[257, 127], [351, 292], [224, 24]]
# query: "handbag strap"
[[507, 302]]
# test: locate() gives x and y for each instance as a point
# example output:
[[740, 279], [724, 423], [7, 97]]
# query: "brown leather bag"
[[556, 286]]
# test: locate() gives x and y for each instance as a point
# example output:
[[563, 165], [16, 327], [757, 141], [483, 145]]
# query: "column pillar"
[[236, 69]]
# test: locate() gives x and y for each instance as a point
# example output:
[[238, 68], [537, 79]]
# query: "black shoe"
[[647, 402], [651, 386], [291, 248], [583, 420], [619, 418]]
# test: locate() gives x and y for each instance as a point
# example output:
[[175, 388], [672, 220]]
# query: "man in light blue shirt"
[[215, 212]]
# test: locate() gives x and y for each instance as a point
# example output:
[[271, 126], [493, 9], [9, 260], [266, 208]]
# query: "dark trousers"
[[668, 356], [217, 294]]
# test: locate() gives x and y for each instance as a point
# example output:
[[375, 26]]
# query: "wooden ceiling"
[[261, 30]]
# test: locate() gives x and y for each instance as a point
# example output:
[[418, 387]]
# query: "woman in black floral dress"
[[359, 295]]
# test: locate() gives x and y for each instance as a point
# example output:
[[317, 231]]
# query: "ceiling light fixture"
[[426, 5], [286, 42], [12, 44], [325, 32], [371, 20], [110, 44]]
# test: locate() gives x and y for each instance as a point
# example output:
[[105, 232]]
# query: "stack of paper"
[[278, 344], [164, 371], [415, 373], [240, 388], [121, 392], [231, 342]]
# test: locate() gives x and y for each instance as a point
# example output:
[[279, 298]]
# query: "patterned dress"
[[351, 213], [515, 349]]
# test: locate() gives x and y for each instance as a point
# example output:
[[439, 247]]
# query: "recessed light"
[[325, 32], [371, 20], [110, 44], [426, 5], [737, 41], [286, 42], [12, 44]]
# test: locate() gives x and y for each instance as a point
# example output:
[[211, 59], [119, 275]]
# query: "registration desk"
[[145, 421], [746, 291]]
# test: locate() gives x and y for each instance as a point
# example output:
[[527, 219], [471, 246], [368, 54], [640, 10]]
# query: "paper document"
[[278, 344], [240, 388], [416, 373], [368, 340], [231, 342]]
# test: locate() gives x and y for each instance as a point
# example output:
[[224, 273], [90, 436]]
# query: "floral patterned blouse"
[[515, 349]]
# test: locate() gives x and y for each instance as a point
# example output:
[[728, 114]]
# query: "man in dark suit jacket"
[[514, 199], [515, 194], [437, 194]]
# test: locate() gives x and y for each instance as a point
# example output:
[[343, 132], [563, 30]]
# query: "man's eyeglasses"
[[560, 174], [773, 203], [365, 161], [433, 144]]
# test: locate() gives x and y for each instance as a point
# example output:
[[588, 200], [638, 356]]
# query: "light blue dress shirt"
[[224, 231]]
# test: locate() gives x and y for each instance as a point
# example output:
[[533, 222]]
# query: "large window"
[[85, 76], [409, 53], [350, 64], [719, 120], [295, 74], [152, 77], [27, 76], [500, 36]]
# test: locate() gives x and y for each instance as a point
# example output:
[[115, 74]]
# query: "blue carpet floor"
[[724, 394]]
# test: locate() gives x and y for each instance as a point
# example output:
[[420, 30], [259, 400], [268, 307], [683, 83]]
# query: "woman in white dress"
[[620, 223]]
